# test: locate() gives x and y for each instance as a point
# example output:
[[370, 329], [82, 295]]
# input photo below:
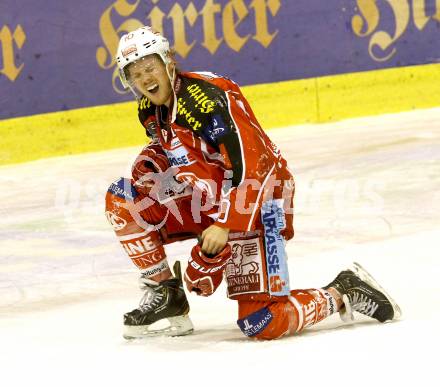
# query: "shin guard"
[[144, 247], [312, 306]]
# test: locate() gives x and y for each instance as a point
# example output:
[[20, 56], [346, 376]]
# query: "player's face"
[[149, 76]]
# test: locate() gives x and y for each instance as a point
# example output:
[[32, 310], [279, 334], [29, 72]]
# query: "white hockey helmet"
[[138, 44]]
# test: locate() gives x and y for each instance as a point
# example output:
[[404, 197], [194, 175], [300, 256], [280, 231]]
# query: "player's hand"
[[214, 239], [204, 274], [149, 162]]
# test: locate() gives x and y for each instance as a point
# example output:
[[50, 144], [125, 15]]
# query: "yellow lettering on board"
[[230, 23], [262, 35], [7, 40], [178, 16]]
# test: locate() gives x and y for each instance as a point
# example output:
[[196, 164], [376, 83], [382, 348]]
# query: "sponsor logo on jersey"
[[310, 313], [123, 189], [144, 103], [187, 114], [179, 156], [218, 128], [144, 252], [243, 269], [277, 271], [203, 103], [276, 284], [256, 322], [218, 131], [116, 221], [175, 142], [321, 306], [330, 303], [148, 259], [272, 236], [156, 269], [139, 247]]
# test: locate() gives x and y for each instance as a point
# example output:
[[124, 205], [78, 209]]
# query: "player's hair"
[[172, 54]]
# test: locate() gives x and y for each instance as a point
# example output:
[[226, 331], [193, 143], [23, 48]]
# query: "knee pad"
[[266, 320], [119, 195], [143, 246], [122, 195]]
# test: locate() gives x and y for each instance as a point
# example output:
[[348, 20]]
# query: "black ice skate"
[[163, 311], [361, 293]]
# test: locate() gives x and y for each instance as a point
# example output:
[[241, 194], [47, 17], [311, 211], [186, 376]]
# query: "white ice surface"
[[367, 190]]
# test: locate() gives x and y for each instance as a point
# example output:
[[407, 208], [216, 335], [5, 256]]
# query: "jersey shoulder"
[[212, 81], [206, 92], [202, 105]]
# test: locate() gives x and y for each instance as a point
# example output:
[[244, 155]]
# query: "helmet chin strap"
[[172, 79], [136, 94]]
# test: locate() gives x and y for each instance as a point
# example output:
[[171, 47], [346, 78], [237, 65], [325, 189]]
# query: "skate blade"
[[178, 326], [368, 278]]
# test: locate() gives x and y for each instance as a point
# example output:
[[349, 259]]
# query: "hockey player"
[[210, 171]]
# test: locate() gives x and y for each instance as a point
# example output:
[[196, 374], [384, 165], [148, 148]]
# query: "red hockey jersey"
[[215, 143]]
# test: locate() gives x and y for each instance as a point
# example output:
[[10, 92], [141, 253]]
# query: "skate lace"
[[150, 300], [362, 304]]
